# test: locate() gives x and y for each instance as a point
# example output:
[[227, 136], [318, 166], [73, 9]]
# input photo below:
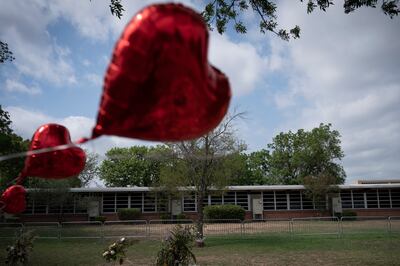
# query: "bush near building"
[[128, 214], [224, 212]]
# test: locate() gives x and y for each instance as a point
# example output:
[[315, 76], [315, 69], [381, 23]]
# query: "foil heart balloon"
[[56, 163], [159, 85], [14, 199]]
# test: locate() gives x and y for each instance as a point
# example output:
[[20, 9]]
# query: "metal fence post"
[[59, 231]]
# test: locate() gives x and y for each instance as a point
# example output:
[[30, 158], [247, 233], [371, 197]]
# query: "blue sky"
[[344, 70]]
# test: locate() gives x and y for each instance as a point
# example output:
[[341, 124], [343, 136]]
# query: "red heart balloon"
[[159, 85], [54, 164], [14, 199]]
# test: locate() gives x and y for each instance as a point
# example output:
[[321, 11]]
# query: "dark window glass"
[[372, 198], [268, 200], [189, 203], [281, 200], [122, 200], [395, 194], [384, 198], [307, 202], [242, 200], [136, 200], [149, 202], [345, 197], [358, 199], [109, 202], [295, 200], [229, 198]]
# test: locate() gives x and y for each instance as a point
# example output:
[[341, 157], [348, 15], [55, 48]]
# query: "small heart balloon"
[[159, 85], [14, 199], [57, 163]]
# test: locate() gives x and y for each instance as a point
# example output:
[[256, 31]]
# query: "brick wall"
[[193, 216], [53, 218], [294, 214], [377, 212]]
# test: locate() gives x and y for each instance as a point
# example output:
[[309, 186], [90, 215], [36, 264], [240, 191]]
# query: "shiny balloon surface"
[[54, 164], [159, 85], [14, 199]]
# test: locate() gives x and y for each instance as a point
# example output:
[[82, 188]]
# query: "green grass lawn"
[[365, 249]]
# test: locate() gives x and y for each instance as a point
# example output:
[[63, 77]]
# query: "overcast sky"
[[343, 70]]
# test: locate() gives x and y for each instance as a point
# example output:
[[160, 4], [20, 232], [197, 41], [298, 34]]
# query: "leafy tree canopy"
[[294, 156], [10, 143], [219, 13], [5, 53], [134, 166]]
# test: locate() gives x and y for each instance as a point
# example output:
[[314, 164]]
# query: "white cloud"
[[37, 55], [240, 61], [344, 70], [16, 86]]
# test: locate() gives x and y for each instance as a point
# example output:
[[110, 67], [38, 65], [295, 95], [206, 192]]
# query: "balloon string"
[[44, 150]]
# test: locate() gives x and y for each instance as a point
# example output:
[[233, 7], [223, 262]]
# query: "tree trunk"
[[200, 218]]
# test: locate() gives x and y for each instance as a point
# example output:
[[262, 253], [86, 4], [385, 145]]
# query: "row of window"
[[370, 199], [289, 200], [271, 200], [232, 198], [145, 202], [75, 206]]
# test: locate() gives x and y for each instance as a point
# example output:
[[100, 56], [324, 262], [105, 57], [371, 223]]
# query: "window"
[[281, 200], [108, 202], [162, 202], [136, 200], [395, 195], [242, 200], [80, 206], [149, 202], [229, 198], [358, 199], [40, 208], [216, 200], [384, 198], [372, 199], [29, 206], [268, 200], [54, 209], [122, 200], [345, 197], [205, 201], [295, 200], [307, 202], [68, 207], [189, 203]]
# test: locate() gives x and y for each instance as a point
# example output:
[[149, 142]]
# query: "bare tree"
[[204, 164]]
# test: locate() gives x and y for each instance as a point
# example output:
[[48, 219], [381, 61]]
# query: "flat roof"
[[234, 188]]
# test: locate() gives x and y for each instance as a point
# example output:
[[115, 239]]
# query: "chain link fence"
[[159, 229]]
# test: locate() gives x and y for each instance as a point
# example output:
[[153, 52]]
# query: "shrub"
[[349, 213], [181, 216], [100, 218], [128, 214], [117, 251], [165, 216], [224, 212], [177, 248], [19, 252]]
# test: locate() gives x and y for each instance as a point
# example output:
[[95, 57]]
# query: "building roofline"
[[235, 188]]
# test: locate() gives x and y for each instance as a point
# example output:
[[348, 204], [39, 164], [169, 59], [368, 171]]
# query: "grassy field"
[[359, 249]]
